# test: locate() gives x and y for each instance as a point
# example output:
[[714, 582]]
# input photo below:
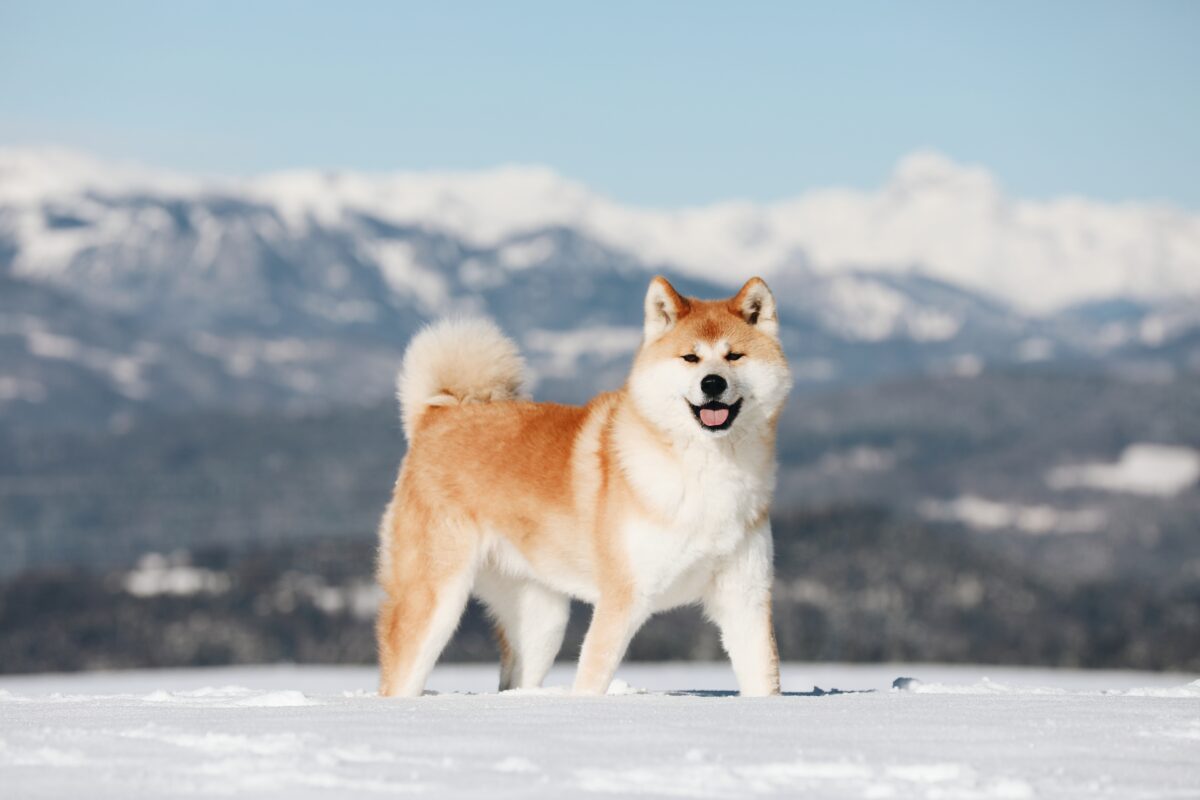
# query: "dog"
[[645, 499]]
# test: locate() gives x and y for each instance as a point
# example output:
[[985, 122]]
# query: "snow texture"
[[949, 220], [1149, 469], [1037, 520], [881, 731]]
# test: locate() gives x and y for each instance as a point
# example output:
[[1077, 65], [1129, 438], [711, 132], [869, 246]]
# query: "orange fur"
[[538, 484]]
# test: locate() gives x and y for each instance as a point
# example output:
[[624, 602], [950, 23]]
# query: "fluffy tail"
[[457, 361]]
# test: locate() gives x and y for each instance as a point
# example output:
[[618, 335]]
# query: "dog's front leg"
[[739, 602], [614, 622]]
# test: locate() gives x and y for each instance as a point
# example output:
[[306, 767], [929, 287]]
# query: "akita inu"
[[647, 498]]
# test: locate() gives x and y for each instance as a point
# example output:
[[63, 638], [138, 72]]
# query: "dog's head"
[[710, 368]]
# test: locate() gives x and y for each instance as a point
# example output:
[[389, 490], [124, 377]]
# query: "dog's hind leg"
[[425, 599], [531, 620], [413, 630]]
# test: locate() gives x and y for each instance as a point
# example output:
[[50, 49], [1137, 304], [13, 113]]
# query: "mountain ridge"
[[932, 216]]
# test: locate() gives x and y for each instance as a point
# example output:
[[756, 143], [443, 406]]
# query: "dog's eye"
[[733, 356], [691, 358]]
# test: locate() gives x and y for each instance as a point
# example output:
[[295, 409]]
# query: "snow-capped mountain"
[[932, 216], [124, 289]]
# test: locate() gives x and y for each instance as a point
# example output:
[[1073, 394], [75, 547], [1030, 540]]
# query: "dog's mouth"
[[716, 416]]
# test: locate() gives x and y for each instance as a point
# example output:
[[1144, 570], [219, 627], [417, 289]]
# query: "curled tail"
[[456, 361]]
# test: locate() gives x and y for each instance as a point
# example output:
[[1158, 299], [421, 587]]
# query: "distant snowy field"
[[668, 730]]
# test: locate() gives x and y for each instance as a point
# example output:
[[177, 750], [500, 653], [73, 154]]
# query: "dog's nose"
[[713, 385]]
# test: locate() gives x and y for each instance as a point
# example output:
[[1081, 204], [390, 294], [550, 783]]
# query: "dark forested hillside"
[[854, 584]]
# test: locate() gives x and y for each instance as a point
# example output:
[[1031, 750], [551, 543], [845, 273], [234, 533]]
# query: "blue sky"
[[653, 103]]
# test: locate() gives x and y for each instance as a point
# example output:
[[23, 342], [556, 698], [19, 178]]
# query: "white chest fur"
[[705, 496]]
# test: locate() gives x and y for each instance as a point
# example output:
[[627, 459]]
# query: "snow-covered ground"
[[668, 730]]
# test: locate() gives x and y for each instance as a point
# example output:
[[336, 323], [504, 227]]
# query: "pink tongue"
[[712, 417]]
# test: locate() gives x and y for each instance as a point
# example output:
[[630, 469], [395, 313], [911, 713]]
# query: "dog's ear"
[[755, 304], [664, 307]]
